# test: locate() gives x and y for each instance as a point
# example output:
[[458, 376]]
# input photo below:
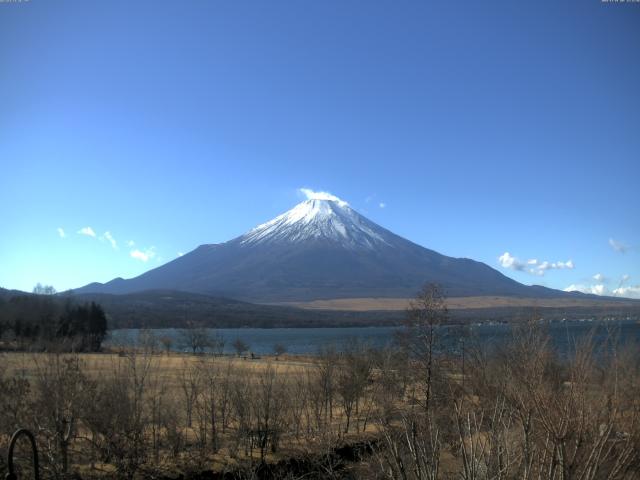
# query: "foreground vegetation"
[[514, 411]]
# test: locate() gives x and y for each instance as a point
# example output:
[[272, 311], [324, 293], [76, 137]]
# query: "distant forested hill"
[[162, 308], [41, 322]]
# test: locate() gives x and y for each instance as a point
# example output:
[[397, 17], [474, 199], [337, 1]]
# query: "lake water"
[[310, 340]]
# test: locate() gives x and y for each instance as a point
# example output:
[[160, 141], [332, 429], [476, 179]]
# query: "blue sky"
[[484, 128]]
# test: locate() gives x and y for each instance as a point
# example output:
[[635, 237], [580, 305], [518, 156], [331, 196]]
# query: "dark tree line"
[[39, 321]]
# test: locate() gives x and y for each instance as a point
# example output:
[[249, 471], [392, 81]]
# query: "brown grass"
[[25, 364], [456, 303]]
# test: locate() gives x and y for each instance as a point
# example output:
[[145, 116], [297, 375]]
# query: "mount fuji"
[[321, 249]]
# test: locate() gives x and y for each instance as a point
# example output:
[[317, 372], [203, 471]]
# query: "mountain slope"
[[320, 249]]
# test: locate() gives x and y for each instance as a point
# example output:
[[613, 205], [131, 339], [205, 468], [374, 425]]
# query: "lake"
[[310, 340]]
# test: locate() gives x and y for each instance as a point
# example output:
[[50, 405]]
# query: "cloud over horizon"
[[533, 265], [598, 289], [61, 232], [630, 291]]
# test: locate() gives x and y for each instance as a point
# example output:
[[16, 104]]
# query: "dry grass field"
[[166, 368], [169, 367], [457, 303], [170, 364]]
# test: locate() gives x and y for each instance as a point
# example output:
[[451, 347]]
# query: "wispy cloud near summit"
[[313, 195]]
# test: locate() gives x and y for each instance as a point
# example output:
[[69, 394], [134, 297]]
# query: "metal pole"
[[12, 443]]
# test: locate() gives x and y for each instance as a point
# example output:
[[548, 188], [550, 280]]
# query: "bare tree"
[[269, 404], [15, 390], [40, 289], [116, 414], [217, 343], [352, 378], [167, 342], [190, 385], [484, 442], [240, 346], [147, 340], [407, 456], [196, 339], [326, 364], [412, 449], [426, 313], [58, 397], [240, 404], [210, 399], [224, 391], [279, 349], [158, 408]]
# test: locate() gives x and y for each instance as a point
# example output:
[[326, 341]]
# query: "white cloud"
[[555, 265], [143, 256], [61, 232], [623, 280], [382, 205], [630, 291], [598, 289], [313, 195], [88, 231], [575, 288], [109, 238], [618, 246], [180, 254], [540, 269], [130, 243], [508, 261], [532, 266]]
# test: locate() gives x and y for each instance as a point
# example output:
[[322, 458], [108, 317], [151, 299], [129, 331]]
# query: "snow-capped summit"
[[319, 220]]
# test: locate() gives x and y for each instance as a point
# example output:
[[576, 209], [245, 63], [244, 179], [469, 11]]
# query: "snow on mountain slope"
[[313, 220]]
